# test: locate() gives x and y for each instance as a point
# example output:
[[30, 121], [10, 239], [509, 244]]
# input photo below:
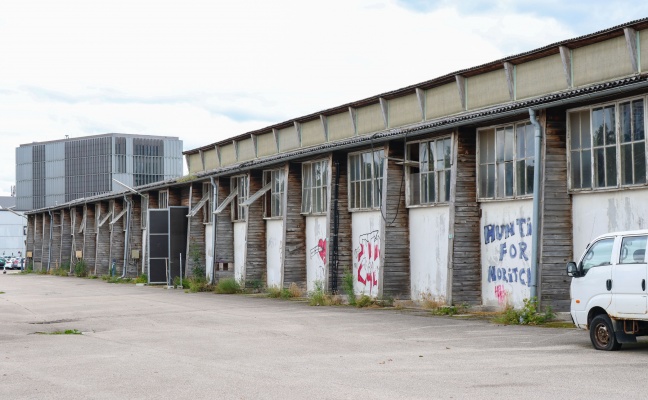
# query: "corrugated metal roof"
[[620, 85], [572, 43]]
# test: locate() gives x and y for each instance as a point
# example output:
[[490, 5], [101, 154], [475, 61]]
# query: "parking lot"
[[149, 342]]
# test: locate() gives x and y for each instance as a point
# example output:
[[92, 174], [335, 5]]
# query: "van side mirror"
[[572, 270]]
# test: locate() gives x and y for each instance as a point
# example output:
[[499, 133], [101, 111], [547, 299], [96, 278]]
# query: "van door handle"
[[643, 285], [608, 284]]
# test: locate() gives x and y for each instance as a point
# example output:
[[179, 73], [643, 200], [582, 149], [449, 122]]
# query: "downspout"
[[535, 256], [213, 220], [49, 247], [126, 235]]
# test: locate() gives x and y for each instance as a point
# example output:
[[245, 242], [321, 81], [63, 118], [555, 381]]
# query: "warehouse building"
[[474, 187], [59, 171]]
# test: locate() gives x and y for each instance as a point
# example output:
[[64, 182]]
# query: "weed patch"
[[364, 301], [141, 279], [65, 332], [529, 314], [227, 286], [81, 269], [347, 286]]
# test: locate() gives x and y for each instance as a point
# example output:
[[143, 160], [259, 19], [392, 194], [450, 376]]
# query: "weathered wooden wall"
[[466, 265], [345, 245], [224, 252], [196, 247], [55, 241], [135, 239], [102, 258], [176, 196], [89, 238], [117, 236], [29, 241], [46, 241], [295, 227], [66, 236], [255, 266], [397, 255], [556, 223]]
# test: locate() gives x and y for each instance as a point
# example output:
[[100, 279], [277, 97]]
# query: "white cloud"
[[206, 70]]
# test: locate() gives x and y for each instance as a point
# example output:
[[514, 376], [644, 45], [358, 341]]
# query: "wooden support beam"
[[352, 114], [218, 155], [298, 130], [202, 159], [384, 108], [461, 86], [254, 143], [275, 133], [509, 70], [236, 153], [325, 127], [420, 95], [631, 42], [566, 57]]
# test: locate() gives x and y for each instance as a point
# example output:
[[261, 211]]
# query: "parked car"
[[2, 262], [608, 289]]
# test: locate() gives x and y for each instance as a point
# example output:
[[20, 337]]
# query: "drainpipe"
[[213, 219], [49, 247], [126, 236], [535, 259]]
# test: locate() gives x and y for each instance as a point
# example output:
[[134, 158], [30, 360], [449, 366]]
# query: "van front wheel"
[[602, 334]]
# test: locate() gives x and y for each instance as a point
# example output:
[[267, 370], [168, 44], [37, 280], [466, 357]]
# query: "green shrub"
[[319, 297], [365, 301], [529, 314], [199, 284], [80, 268], [347, 286], [256, 285], [177, 282], [141, 279], [227, 286]]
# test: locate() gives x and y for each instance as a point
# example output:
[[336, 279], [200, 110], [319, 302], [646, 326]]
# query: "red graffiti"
[[368, 260], [322, 249], [501, 294]]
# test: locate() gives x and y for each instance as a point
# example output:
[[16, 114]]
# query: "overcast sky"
[[205, 70]]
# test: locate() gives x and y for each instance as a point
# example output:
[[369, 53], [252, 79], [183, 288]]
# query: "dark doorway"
[[167, 243]]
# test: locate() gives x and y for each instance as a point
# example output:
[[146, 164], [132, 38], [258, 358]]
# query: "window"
[[163, 199], [365, 179], [599, 254], [144, 216], [274, 204], [429, 171], [242, 191], [314, 187], [633, 250], [607, 146], [506, 161]]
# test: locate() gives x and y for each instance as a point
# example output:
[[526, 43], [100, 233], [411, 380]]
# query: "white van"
[[608, 289]]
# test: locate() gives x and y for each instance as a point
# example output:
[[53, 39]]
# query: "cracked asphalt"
[[153, 343]]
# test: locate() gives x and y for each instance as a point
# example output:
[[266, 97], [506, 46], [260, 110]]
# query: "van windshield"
[[599, 254]]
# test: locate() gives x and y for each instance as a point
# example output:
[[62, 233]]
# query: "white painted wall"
[[209, 251], [12, 234], [316, 252], [594, 214], [240, 245], [429, 228], [367, 236], [274, 252], [506, 252]]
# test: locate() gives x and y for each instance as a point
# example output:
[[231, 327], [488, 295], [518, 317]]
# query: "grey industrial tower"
[[58, 171]]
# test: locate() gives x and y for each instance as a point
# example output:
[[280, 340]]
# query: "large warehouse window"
[[365, 179], [240, 183], [274, 204], [429, 164], [506, 161], [314, 187], [607, 145]]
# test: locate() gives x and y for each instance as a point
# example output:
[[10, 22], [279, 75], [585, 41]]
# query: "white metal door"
[[629, 278]]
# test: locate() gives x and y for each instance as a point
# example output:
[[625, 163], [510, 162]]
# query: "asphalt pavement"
[[144, 342]]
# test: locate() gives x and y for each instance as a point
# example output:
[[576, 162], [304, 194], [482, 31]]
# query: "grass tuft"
[[227, 286], [529, 314]]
